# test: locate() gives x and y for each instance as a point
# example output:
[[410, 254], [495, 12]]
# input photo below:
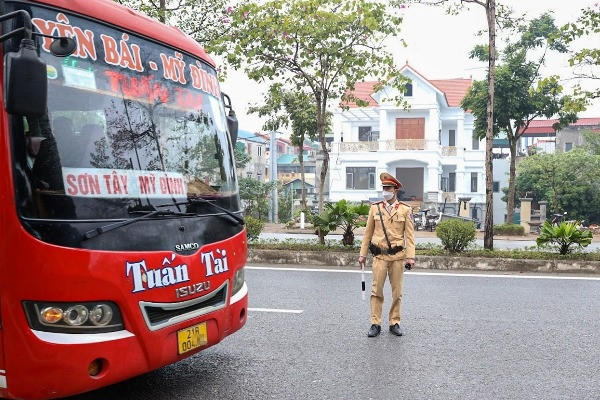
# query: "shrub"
[[254, 227], [455, 234], [565, 235], [509, 229]]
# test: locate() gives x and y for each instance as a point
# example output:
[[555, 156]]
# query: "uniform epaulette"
[[377, 202], [407, 205]]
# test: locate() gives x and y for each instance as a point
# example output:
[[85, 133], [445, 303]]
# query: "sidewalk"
[[280, 228]]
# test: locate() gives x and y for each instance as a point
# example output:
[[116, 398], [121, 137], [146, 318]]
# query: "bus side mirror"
[[232, 125], [25, 81], [232, 121]]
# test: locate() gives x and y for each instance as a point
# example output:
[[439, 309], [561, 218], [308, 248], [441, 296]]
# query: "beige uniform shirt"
[[399, 227]]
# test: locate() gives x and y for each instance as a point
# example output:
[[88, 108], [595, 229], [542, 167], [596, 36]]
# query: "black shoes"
[[374, 331], [395, 329]]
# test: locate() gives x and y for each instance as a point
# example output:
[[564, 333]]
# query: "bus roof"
[[126, 18]]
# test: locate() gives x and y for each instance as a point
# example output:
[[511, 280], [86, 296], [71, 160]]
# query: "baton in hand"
[[362, 270]]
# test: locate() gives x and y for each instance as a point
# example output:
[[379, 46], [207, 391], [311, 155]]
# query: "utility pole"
[[273, 212]]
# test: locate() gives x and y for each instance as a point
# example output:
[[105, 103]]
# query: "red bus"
[[123, 241]]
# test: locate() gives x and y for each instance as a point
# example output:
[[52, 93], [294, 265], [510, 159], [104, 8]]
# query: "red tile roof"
[[454, 90], [538, 126], [363, 91]]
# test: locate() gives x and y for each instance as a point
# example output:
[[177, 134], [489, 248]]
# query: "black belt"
[[375, 250]]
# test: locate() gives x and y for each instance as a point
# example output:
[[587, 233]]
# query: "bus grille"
[[160, 315]]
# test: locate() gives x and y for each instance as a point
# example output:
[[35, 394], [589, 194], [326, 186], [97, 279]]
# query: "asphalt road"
[[467, 336], [498, 243]]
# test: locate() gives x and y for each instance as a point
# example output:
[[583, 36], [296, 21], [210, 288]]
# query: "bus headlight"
[[238, 280], [82, 317], [101, 315], [76, 315]]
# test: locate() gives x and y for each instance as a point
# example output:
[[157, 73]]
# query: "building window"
[[568, 146], [452, 182], [473, 182], [475, 145], [367, 134], [259, 151], [360, 178], [408, 91], [452, 138], [443, 184], [496, 187]]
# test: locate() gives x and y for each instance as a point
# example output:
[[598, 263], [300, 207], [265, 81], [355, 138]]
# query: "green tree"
[[321, 46], [204, 20], [492, 14], [569, 181], [285, 107], [521, 93], [255, 197], [586, 61], [592, 142], [241, 158], [284, 206]]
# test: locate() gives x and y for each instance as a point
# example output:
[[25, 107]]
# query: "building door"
[[410, 128], [412, 183]]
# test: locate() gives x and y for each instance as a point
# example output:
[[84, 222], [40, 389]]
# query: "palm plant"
[[324, 223], [350, 217], [341, 214], [565, 235]]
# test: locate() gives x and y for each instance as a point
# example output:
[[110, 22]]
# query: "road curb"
[[342, 259]]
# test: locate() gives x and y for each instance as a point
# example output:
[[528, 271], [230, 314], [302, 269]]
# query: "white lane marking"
[[483, 274], [276, 310]]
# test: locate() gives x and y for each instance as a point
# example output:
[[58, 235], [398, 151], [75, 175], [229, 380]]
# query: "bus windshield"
[[131, 125]]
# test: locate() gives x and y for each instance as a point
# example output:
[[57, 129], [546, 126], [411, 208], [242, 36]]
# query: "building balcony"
[[359, 146], [406, 144], [396, 144], [449, 151]]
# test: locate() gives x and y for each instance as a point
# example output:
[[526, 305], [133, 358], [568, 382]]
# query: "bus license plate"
[[191, 338]]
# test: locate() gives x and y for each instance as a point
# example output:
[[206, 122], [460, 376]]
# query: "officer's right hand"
[[362, 260]]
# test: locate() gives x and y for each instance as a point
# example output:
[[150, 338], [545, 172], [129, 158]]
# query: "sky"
[[438, 45]]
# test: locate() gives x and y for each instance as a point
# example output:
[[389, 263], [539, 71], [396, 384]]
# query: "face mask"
[[388, 195]]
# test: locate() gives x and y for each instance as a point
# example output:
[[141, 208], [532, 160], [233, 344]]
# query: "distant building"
[[288, 168], [540, 135], [256, 147]]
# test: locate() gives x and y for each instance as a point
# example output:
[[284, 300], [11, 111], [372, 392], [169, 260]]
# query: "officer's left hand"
[[410, 261]]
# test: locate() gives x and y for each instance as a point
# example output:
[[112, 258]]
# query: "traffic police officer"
[[390, 237]]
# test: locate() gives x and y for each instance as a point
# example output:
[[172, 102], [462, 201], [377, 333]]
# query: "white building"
[[429, 147], [256, 147]]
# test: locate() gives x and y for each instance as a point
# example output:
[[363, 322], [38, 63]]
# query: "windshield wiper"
[[238, 219], [147, 214]]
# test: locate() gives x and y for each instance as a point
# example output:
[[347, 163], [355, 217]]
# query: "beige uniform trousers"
[[381, 269]]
